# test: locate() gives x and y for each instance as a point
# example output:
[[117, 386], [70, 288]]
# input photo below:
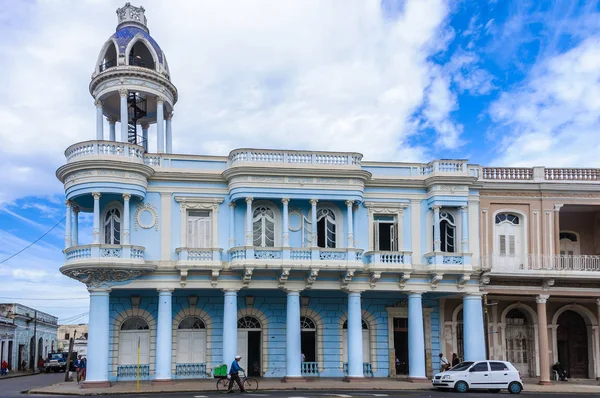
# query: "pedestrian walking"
[[4, 368], [234, 374], [83, 368], [77, 365]]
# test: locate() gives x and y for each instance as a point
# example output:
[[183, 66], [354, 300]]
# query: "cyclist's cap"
[[238, 357]]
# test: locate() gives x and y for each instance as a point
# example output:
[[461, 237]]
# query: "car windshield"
[[57, 357], [463, 366]]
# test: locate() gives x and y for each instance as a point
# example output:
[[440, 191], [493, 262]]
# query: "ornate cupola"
[[131, 84]]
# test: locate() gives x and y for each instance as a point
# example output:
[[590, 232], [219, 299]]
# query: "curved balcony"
[[110, 150], [99, 264]]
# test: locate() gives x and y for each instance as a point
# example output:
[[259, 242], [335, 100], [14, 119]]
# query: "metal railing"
[[125, 372], [535, 262], [190, 370], [107, 64]]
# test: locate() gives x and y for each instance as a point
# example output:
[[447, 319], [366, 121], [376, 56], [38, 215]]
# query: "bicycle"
[[250, 385]]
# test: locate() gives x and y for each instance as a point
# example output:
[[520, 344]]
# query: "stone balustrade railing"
[[277, 255], [539, 174], [198, 255], [294, 157], [100, 252], [121, 150], [538, 262], [507, 173]]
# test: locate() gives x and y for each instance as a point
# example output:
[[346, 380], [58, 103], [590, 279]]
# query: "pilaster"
[[124, 114]]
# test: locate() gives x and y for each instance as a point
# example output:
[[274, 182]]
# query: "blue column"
[[286, 222], [350, 244], [145, 136], [249, 237], [169, 135], [96, 231], [464, 221], [473, 330], [98, 328], [99, 121], [160, 125], [68, 225], [126, 217], [231, 224], [313, 222], [416, 338], [355, 348], [293, 350], [75, 239], [230, 327], [111, 128], [124, 114], [437, 241], [164, 335]]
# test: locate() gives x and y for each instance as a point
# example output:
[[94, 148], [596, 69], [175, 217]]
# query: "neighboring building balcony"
[[388, 260], [540, 174], [307, 258], [543, 265]]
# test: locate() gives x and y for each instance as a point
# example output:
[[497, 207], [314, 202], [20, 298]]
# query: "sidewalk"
[[209, 385], [12, 374]]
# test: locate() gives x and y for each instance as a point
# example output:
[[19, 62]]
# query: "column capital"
[[169, 116], [558, 206], [349, 203], [464, 209], [313, 202], [354, 292], [123, 92], [111, 119], [96, 195], [230, 292], [249, 200], [68, 203], [293, 292], [473, 296], [126, 196], [232, 205], [76, 209], [285, 201], [598, 301], [99, 291], [163, 291], [160, 100], [436, 208], [542, 298], [145, 125], [98, 103], [415, 294]]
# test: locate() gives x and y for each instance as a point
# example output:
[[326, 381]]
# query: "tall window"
[[199, 229], [447, 232], [191, 340], [263, 225], [112, 227], [326, 228], [386, 233], [134, 336], [508, 233]]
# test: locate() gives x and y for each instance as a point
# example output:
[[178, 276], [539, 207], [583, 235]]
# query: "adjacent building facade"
[[27, 335], [306, 263], [77, 332]]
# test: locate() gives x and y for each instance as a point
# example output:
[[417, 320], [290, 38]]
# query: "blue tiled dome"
[[125, 34]]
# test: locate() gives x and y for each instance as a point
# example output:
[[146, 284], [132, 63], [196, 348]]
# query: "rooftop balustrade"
[[540, 174], [122, 151], [283, 157]]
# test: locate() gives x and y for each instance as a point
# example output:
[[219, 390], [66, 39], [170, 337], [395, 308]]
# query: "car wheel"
[[495, 390], [461, 386], [514, 388]]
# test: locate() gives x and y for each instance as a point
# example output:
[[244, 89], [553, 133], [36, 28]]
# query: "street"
[[12, 387]]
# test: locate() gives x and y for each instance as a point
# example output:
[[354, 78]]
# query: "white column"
[[111, 128], [437, 241], [473, 333], [249, 240], [126, 217], [169, 136], [99, 121], [350, 238], [164, 335], [231, 224], [124, 115], [230, 327], [464, 228], [355, 342], [145, 136], [160, 125], [293, 350], [286, 222], [96, 232], [68, 225], [543, 338], [75, 239], [416, 338], [399, 226], [98, 331], [313, 222]]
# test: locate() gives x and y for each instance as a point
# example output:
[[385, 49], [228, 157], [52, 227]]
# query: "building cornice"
[[110, 164]]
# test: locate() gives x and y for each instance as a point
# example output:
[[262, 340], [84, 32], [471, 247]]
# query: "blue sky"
[[502, 83]]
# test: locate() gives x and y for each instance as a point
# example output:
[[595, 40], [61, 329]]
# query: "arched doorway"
[[520, 342], [191, 341], [308, 339], [134, 332], [460, 344], [249, 344], [572, 342]]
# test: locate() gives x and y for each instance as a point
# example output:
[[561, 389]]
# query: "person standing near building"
[[233, 372], [77, 365], [4, 368], [83, 368], [455, 360]]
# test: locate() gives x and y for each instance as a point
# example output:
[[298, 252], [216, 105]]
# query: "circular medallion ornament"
[[295, 220], [145, 217]]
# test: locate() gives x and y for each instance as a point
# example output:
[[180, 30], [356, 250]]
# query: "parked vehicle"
[[484, 375], [56, 362]]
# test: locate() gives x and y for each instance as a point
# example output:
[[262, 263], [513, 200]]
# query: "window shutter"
[[205, 226], [511, 241], [190, 233], [376, 235], [502, 244]]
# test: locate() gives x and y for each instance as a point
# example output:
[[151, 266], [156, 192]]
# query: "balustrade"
[[367, 369], [572, 174], [130, 372], [130, 152], [197, 254], [190, 370], [507, 173], [534, 262], [310, 369], [295, 157], [101, 251]]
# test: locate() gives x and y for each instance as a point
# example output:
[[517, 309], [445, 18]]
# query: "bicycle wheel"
[[223, 385], [250, 385]]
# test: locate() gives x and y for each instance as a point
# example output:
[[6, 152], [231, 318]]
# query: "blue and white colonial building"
[[308, 264]]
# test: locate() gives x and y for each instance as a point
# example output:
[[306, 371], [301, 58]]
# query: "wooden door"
[[573, 344]]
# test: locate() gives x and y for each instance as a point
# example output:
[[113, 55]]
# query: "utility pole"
[[35, 344], [69, 355]]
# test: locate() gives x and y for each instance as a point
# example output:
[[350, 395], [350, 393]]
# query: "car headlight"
[[447, 377]]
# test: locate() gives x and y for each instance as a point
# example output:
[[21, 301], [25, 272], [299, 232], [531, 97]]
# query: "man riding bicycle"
[[233, 372]]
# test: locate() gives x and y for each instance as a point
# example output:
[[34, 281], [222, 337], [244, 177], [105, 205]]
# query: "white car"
[[484, 375]]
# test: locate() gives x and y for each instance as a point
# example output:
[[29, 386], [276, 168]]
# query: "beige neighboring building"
[[540, 249], [79, 332]]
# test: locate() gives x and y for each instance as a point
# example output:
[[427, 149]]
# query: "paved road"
[[12, 387]]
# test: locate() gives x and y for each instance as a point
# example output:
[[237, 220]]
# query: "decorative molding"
[[558, 206], [404, 277], [547, 284], [538, 194], [542, 298], [123, 92], [146, 207], [183, 274], [295, 212], [283, 277], [436, 277], [462, 281], [347, 278], [483, 281], [448, 188], [312, 278], [96, 277], [375, 276], [214, 277], [247, 276]]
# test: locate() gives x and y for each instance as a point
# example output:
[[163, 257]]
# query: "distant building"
[[20, 328], [79, 332]]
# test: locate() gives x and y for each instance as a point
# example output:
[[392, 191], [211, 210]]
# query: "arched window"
[[140, 55], [326, 228], [569, 245], [109, 59], [250, 346], [191, 341], [135, 323], [366, 341], [134, 333], [248, 322], [508, 235], [520, 350], [308, 339], [263, 225], [447, 232], [112, 227]]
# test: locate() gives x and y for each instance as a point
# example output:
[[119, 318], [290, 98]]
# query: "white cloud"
[[554, 118], [318, 75]]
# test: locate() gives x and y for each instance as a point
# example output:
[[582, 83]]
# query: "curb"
[[19, 375]]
